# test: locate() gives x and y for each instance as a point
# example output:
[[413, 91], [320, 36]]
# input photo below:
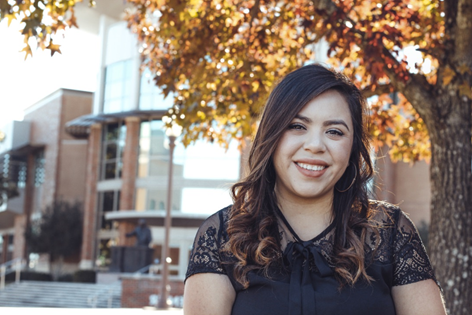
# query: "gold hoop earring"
[[353, 180]]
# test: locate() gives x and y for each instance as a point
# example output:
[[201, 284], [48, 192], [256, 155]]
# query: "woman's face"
[[314, 151]]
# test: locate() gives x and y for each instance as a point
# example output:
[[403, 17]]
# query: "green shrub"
[[85, 276]]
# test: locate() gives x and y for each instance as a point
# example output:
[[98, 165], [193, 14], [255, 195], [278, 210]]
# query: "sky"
[[25, 82]]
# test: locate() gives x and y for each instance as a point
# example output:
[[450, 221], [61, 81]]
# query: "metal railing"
[[15, 265]]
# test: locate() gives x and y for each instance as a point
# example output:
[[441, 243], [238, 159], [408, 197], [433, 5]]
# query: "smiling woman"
[[302, 236]]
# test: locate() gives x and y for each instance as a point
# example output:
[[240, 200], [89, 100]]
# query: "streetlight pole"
[[172, 133]]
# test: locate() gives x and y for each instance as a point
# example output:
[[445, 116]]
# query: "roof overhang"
[[156, 217], [80, 127]]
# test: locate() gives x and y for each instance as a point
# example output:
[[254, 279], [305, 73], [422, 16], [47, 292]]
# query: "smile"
[[311, 167]]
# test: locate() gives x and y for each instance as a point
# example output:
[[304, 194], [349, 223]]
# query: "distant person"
[[142, 233], [302, 237]]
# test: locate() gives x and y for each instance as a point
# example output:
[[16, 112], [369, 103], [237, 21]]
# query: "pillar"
[[90, 205], [128, 177]]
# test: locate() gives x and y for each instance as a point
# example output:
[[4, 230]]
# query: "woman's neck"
[[307, 219]]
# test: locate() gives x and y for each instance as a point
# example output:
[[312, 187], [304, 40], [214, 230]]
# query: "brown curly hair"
[[252, 226]]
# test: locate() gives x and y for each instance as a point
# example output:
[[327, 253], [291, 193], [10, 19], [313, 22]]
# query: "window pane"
[[110, 151], [156, 199], [110, 170], [112, 131], [108, 198]]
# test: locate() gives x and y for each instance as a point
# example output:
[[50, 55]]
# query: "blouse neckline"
[[294, 234]]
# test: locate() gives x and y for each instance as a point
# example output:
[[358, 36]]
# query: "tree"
[[220, 58], [58, 233]]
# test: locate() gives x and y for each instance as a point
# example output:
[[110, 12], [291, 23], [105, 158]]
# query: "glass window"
[[117, 90], [203, 171], [150, 96], [108, 201], [113, 146], [39, 172]]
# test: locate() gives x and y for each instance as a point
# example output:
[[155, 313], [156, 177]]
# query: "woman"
[[302, 236]]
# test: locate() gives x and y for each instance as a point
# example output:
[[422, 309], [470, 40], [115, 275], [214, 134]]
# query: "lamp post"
[[172, 133]]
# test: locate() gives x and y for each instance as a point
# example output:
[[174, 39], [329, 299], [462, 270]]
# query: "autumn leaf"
[[448, 75], [464, 90]]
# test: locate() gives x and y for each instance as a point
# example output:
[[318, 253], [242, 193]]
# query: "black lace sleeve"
[[410, 259], [205, 255]]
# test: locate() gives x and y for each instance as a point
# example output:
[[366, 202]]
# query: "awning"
[[80, 127], [156, 217]]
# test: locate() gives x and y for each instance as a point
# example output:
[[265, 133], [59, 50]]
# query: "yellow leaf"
[[464, 90], [27, 50], [255, 86], [448, 75], [464, 69], [10, 18]]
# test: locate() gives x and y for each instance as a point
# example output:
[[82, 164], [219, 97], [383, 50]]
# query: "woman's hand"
[[208, 294], [419, 298]]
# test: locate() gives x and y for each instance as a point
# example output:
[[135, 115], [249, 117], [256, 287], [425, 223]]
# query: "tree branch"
[[372, 90]]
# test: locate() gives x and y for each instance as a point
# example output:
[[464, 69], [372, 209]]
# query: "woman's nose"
[[315, 143]]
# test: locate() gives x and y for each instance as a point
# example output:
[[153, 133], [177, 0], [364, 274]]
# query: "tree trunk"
[[450, 240]]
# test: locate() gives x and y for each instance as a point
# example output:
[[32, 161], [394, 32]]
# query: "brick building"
[[45, 162]]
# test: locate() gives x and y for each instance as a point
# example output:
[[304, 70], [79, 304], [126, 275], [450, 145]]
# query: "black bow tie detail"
[[301, 295]]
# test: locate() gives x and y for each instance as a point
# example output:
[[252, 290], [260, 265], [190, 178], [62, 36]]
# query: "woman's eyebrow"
[[303, 118], [335, 122], [326, 123]]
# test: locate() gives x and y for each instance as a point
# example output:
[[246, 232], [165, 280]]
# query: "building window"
[[202, 169], [108, 201], [39, 172], [14, 168], [112, 151], [117, 90], [150, 96]]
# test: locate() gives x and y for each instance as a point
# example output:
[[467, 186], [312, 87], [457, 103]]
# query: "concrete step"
[[59, 294]]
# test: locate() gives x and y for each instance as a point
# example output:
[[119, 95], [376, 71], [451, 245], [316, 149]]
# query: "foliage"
[[42, 20], [220, 59], [58, 232]]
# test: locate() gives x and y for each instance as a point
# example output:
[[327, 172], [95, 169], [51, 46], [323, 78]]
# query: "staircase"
[[60, 294]]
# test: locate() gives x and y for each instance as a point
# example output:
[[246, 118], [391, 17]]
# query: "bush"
[[85, 276], [29, 276], [66, 278]]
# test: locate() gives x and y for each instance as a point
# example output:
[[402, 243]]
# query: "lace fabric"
[[398, 243]]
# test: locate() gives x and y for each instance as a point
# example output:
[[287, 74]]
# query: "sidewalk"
[[88, 311]]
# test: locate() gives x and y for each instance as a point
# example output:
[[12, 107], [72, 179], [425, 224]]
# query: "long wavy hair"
[[252, 226]]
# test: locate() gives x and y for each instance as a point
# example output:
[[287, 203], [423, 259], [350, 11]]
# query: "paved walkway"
[[88, 311]]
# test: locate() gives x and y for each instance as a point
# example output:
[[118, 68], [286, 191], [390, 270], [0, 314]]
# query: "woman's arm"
[[208, 294], [419, 298]]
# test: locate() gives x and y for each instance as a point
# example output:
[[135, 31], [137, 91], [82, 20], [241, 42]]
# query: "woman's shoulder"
[[216, 223], [384, 214]]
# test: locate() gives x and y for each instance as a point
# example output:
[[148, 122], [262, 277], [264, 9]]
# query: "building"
[[44, 161], [128, 161]]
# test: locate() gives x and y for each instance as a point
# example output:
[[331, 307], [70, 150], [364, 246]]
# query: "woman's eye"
[[335, 132], [296, 127]]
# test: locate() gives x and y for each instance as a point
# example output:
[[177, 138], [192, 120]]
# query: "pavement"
[[88, 311]]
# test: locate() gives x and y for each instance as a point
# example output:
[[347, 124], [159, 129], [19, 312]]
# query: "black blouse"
[[311, 288]]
